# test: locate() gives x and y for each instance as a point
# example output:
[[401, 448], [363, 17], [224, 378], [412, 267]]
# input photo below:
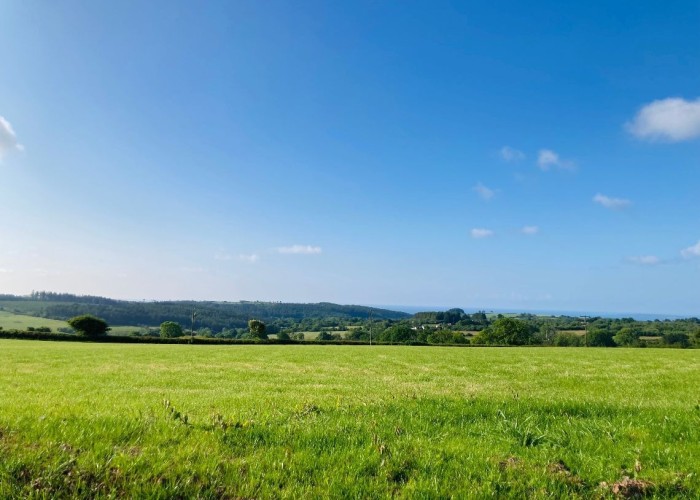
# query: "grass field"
[[12, 321], [346, 421]]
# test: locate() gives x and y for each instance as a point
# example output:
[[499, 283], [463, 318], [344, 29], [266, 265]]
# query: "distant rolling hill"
[[215, 315]]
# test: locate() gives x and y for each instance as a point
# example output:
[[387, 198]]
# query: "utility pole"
[[370, 327], [194, 315], [585, 326]]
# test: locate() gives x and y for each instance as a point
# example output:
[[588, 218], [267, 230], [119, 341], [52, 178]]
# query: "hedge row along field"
[[94, 420]]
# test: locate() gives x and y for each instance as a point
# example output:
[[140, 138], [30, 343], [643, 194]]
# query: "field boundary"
[[121, 339]]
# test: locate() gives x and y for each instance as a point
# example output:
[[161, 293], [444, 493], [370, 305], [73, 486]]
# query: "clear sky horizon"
[[521, 155]]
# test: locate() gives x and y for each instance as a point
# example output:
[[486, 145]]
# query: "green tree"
[[695, 337], [546, 333], [446, 337], [626, 337], [227, 333], [170, 329], [505, 331], [397, 334], [205, 331], [567, 339], [324, 335], [257, 329], [600, 337], [676, 339], [89, 325]]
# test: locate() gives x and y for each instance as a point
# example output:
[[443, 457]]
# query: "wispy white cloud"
[[300, 249], [251, 257], [530, 230], [480, 233], [673, 119], [644, 260], [611, 203], [484, 192], [690, 252], [8, 138], [224, 256], [548, 159], [245, 257], [511, 154]]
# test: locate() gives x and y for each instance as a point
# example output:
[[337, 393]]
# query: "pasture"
[[303, 421], [12, 321]]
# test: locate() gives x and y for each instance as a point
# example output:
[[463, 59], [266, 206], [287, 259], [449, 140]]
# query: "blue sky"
[[524, 155]]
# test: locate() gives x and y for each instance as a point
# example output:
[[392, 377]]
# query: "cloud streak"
[[611, 203], [644, 260], [481, 233], [673, 120], [484, 193], [8, 138], [226, 257], [300, 250], [530, 230], [548, 159], [511, 154]]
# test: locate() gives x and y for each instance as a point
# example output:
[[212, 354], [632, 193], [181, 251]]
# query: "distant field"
[[314, 335], [305, 421], [11, 321], [580, 333]]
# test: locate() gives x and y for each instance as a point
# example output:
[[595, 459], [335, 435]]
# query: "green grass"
[[12, 321], [314, 335], [345, 421]]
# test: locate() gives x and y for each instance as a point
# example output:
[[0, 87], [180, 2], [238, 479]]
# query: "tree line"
[[331, 322], [213, 315]]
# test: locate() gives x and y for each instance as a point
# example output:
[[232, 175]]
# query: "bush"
[[695, 338], [257, 329], [324, 336], [599, 337], [89, 325], [567, 339], [447, 337], [397, 334], [676, 340], [170, 329], [627, 337], [505, 331]]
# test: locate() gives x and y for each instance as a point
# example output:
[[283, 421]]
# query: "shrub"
[[505, 331], [447, 337], [675, 339], [257, 329], [89, 325], [599, 337], [567, 339], [324, 336], [170, 329]]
